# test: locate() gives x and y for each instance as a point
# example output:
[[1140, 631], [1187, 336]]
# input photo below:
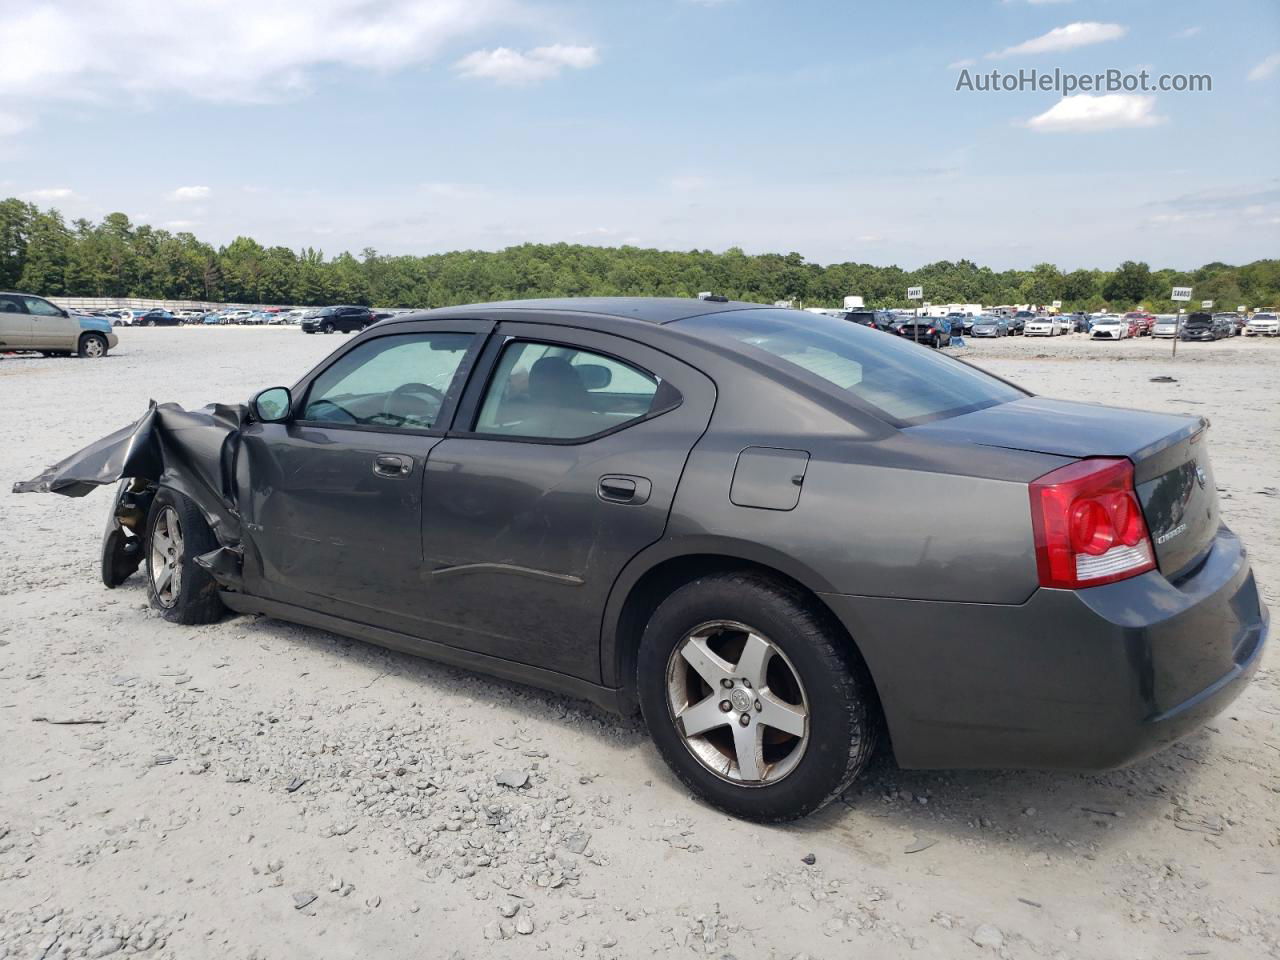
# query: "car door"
[[52, 328], [561, 466], [15, 323], [332, 498]]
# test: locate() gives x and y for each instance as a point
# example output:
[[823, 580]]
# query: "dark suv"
[[342, 318]]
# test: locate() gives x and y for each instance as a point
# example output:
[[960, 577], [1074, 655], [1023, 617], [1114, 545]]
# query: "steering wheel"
[[418, 388], [411, 392]]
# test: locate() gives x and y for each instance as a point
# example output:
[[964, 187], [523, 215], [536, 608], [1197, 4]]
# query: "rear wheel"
[[177, 586], [92, 346], [752, 698]]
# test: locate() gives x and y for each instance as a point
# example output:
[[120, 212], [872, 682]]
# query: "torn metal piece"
[[191, 451]]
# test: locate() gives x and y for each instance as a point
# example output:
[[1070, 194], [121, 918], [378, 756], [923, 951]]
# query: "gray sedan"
[[718, 514], [990, 327]]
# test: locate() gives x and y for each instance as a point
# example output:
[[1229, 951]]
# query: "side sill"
[[606, 698]]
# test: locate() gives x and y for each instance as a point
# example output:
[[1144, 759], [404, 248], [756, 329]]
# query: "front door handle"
[[624, 488], [392, 465]]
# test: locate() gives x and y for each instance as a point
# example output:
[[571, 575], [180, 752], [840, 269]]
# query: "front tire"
[[327, 328], [177, 586], [800, 723], [92, 346]]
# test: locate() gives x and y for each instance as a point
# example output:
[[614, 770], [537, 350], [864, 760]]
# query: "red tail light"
[[1088, 525]]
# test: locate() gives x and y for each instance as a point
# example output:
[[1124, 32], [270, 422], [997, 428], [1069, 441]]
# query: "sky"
[[833, 129]]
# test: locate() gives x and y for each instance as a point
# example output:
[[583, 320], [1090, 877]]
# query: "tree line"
[[40, 252]]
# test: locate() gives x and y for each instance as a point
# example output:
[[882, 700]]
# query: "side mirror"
[[273, 405]]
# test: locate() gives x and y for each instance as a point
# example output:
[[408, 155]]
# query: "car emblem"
[[1201, 477]]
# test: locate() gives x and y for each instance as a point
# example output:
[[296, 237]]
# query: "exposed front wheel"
[[177, 586], [753, 697], [327, 328], [92, 346]]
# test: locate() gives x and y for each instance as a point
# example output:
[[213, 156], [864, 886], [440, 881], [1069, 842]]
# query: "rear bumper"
[[1087, 680]]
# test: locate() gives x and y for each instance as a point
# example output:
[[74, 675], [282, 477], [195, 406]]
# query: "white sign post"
[[1206, 304], [1179, 295], [1057, 304]]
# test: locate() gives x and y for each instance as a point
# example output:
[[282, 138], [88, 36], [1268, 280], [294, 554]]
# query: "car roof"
[[657, 310]]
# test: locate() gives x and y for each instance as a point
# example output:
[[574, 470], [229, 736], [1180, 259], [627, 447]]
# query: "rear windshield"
[[904, 382]]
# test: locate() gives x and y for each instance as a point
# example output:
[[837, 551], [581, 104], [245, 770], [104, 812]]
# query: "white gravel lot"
[[253, 789]]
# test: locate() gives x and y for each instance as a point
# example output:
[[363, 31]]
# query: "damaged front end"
[[190, 451]]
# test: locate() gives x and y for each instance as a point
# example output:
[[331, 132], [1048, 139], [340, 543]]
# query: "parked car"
[[1110, 327], [1203, 326], [935, 331], [119, 317], [877, 320], [1044, 326], [1263, 325], [157, 318], [344, 319], [1234, 320], [711, 511], [1143, 321], [29, 322], [1018, 322], [1081, 322], [985, 326], [1165, 327], [188, 316]]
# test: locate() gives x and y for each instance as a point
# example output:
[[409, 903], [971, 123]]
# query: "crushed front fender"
[[191, 451]]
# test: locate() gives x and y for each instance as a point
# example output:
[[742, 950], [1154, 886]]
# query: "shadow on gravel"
[[1038, 811], [1034, 810]]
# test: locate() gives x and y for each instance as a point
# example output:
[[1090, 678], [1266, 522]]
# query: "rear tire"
[[806, 680], [92, 346], [183, 591]]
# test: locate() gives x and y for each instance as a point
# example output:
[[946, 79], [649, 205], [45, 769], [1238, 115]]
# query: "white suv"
[[1263, 325]]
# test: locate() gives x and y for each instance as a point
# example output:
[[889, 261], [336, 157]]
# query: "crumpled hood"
[[192, 451]]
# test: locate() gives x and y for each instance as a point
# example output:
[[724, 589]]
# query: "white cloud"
[[11, 123], [688, 183], [227, 51], [1086, 112], [513, 68], [48, 193], [181, 224], [190, 193], [1065, 38], [961, 64], [1187, 33], [1265, 68]]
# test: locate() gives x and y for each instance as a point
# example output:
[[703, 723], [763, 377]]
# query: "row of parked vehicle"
[[341, 318], [939, 331]]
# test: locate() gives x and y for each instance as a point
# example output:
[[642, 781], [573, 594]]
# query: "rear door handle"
[[392, 465], [624, 488]]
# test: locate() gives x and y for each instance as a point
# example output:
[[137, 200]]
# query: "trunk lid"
[[1169, 452]]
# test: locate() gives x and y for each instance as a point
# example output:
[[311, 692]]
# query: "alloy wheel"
[[738, 703], [166, 557], [93, 348]]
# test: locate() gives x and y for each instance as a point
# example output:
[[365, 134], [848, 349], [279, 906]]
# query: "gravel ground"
[[254, 789]]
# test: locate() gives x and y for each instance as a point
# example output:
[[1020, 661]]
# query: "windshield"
[[902, 381]]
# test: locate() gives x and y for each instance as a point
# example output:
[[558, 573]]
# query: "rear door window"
[[557, 392], [903, 382]]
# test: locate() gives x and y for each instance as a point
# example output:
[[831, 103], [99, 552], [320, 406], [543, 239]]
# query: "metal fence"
[[141, 303]]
